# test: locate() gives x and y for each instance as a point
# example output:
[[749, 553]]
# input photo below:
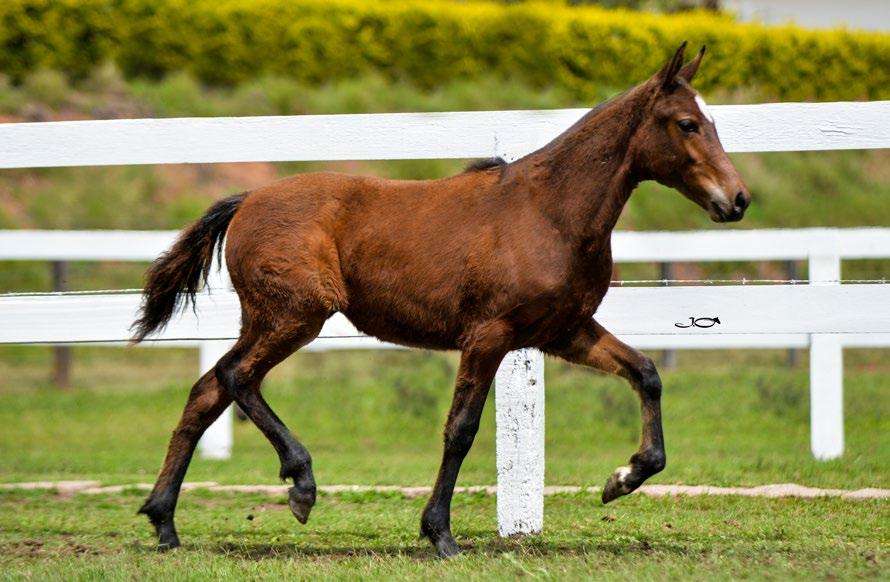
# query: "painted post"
[[519, 404], [826, 360], [668, 357], [61, 354], [519, 419], [826, 397], [218, 438]]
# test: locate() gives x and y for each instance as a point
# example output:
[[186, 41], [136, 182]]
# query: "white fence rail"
[[824, 316]]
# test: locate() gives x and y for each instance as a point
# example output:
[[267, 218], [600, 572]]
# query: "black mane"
[[486, 164]]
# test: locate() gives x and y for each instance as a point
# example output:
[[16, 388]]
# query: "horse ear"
[[689, 69], [669, 72]]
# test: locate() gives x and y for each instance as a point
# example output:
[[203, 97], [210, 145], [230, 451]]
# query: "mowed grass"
[[376, 418], [350, 536]]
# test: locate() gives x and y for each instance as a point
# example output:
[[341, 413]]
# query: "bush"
[[579, 48]]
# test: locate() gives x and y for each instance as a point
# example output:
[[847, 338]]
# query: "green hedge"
[[582, 49]]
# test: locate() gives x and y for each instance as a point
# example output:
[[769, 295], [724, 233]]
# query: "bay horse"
[[500, 257]]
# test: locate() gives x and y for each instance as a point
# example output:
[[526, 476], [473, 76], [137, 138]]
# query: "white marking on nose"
[[703, 107], [716, 192]]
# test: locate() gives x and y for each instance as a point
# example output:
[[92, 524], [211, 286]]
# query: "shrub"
[[579, 48]]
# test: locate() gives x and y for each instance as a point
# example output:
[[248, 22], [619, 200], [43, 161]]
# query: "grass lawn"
[[242, 536], [376, 418]]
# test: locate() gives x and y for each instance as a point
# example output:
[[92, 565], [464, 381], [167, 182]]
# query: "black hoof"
[[167, 545], [300, 504], [447, 548], [441, 539], [617, 485]]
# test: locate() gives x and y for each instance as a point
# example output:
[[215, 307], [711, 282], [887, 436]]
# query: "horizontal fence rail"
[[627, 246], [656, 313], [824, 315], [394, 136]]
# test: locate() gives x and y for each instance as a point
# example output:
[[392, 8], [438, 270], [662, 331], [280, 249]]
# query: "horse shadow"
[[421, 551]]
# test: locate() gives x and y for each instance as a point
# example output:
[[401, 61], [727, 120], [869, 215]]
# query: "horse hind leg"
[[241, 371], [206, 402]]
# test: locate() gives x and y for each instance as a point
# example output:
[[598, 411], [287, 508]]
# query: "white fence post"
[[519, 404], [826, 397], [217, 440], [826, 360]]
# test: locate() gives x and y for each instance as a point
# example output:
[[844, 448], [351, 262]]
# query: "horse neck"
[[583, 178]]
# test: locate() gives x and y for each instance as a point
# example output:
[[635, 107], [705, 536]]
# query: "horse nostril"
[[740, 201]]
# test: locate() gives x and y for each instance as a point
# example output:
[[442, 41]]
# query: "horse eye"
[[688, 125]]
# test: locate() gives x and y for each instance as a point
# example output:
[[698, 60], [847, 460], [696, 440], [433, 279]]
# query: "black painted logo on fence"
[[703, 322]]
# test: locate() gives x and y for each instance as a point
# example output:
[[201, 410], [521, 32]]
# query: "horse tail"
[[183, 268]]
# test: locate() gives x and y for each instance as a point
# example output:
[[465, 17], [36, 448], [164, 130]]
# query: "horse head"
[[677, 144]]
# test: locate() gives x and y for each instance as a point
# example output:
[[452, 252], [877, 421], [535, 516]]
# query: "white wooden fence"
[[824, 316]]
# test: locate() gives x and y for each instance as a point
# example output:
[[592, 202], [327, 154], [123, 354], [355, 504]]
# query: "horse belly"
[[404, 326]]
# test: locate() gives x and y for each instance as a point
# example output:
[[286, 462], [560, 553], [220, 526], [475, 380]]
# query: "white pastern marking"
[[703, 107], [622, 472]]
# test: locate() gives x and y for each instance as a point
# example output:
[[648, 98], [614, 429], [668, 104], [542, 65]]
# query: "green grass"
[[374, 536], [376, 417]]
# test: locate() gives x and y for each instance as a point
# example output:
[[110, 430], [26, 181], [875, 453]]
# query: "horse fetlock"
[[648, 462], [158, 509], [297, 466], [160, 514]]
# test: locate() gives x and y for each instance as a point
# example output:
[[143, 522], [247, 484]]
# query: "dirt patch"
[[68, 488]]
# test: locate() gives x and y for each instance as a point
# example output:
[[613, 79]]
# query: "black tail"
[[184, 267]]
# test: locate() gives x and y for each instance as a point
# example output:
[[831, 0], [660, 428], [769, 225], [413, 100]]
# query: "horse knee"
[[461, 433], [649, 382]]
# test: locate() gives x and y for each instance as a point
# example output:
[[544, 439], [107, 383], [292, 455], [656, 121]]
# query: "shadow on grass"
[[422, 552]]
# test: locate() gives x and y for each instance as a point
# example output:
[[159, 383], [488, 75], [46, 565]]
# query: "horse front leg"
[[595, 347], [478, 366]]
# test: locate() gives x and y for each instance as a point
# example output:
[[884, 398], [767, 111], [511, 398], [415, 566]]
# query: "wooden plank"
[[390, 136], [644, 311]]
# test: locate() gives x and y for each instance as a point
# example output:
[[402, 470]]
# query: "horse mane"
[[486, 164]]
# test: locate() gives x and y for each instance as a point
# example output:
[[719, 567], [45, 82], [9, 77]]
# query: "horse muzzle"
[[720, 211]]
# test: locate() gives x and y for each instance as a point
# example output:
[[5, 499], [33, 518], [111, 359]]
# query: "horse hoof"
[[617, 485], [167, 541], [447, 548], [167, 546], [300, 504]]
